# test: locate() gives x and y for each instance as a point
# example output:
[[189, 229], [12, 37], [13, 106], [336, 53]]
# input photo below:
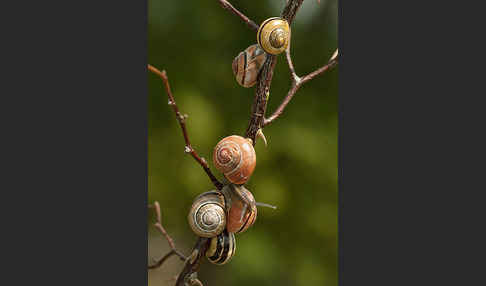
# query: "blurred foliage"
[[195, 42]]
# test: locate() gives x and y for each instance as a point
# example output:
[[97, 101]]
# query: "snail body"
[[247, 65], [207, 217], [221, 248], [241, 208], [235, 157], [273, 35]]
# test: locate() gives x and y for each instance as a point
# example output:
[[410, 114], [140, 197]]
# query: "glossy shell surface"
[[247, 65], [241, 208], [273, 35], [207, 217], [221, 248], [235, 157]]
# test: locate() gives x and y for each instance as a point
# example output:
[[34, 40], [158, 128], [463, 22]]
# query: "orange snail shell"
[[239, 217], [247, 65], [235, 157]]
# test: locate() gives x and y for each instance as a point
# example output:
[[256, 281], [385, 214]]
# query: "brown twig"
[[189, 273], [182, 121], [226, 5], [297, 82], [170, 241], [295, 78], [262, 91]]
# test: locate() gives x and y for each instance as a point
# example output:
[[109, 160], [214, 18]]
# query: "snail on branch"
[[235, 157], [207, 217], [221, 248], [247, 65], [240, 207], [273, 35]]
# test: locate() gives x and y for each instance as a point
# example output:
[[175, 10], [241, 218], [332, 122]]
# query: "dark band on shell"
[[207, 217], [247, 65], [221, 248]]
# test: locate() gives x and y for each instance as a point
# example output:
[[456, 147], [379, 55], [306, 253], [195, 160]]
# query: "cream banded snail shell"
[[221, 248], [235, 157], [247, 65], [273, 35], [207, 217], [241, 208]]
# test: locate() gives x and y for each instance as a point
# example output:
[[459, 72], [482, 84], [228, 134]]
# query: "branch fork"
[[188, 275]]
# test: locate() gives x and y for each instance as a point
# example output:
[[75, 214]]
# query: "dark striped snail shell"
[[221, 248], [235, 157], [273, 35], [247, 65], [207, 217], [241, 208]]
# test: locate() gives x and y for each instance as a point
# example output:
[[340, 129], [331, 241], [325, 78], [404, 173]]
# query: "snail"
[[207, 217], [273, 35], [221, 248], [241, 208], [235, 157], [246, 66]]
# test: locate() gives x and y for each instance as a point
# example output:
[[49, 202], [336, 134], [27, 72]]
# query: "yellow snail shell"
[[273, 35]]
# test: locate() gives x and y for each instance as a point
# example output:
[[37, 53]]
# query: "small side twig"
[[188, 275], [226, 5], [297, 82], [262, 90], [170, 241], [182, 122]]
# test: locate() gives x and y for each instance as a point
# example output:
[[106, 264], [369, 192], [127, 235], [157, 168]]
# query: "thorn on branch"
[[261, 136], [334, 56], [187, 149]]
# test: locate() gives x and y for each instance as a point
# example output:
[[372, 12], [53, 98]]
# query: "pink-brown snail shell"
[[235, 157], [241, 208], [247, 65]]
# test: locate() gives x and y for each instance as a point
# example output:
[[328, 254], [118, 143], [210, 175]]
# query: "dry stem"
[[297, 82], [182, 121], [226, 5], [170, 241]]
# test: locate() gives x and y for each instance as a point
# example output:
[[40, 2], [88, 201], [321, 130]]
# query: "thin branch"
[[296, 84], [161, 261], [189, 273], [226, 5], [262, 91], [170, 241], [319, 71], [182, 121], [294, 75]]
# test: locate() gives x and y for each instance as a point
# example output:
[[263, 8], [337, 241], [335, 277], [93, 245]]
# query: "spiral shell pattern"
[[247, 65], [235, 157], [273, 35], [207, 217], [221, 248]]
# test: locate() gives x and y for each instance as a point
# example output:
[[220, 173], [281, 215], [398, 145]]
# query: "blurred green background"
[[195, 42]]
